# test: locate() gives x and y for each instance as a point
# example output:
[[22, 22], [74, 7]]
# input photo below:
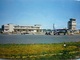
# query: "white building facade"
[[21, 29], [8, 28]]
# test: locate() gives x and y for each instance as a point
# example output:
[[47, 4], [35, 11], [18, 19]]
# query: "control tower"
[[72, 24]]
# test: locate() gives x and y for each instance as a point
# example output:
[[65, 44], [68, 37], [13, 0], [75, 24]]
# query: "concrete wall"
[[11, 27]]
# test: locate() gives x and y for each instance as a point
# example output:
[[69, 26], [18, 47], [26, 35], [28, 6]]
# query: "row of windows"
[[25, 27]]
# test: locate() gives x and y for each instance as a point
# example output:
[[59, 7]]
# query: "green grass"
[[54, 51]]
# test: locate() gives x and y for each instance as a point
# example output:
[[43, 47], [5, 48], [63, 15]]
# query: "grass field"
[[55, 51]]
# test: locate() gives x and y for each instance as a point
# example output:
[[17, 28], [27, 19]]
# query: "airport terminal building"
[[20, 29]]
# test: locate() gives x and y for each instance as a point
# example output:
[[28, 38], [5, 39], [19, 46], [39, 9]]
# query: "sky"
[[43, 12]]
